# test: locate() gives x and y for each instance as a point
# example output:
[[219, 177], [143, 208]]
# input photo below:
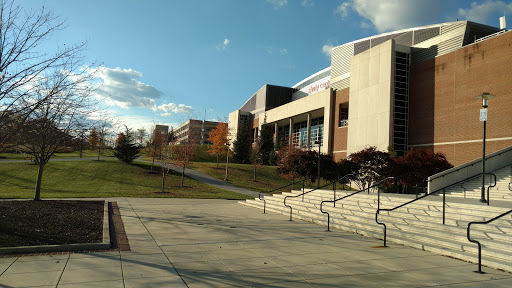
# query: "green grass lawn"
[[105, 178], [85, 154], [242, 175]]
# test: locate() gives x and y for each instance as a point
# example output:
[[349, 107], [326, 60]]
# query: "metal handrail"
[[509, 188], [489, 187], [269, 192], [462, 182], [414, 200], [333, 183], [475, 241], [346, 196]]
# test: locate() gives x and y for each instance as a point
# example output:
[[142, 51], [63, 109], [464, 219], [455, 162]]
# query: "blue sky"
[[167, 61]]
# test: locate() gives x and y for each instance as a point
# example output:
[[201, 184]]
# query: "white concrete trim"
[[462, 142]]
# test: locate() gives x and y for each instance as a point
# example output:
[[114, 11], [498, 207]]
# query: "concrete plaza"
[[220, 243]]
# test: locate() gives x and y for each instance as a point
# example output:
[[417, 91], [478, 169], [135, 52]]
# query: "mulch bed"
[[50, 222]]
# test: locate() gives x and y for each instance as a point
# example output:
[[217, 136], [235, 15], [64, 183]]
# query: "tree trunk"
[[217, 161], [163, 181], [153, 164], [182, 175], [99, 152], [37, 195]]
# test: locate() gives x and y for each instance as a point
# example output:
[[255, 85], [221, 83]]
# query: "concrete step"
[[419, 225]]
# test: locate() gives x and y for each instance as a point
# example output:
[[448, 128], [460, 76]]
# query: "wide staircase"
[[472, 187], [418, 224]]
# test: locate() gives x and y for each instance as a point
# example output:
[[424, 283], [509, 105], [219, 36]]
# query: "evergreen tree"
[[126, 150], [242, 146], [265, 144]]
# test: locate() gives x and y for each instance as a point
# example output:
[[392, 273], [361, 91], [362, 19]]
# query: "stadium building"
[[409, 88]]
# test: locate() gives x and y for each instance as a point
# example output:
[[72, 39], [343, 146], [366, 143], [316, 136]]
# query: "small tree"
[[141, 135], [218, 137], [419, 164], [155, 144], [126, 150], [64, 103], [166, 163], [369, 164], [181, 155]]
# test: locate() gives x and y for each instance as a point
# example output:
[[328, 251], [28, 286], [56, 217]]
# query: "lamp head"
[[485, 98]]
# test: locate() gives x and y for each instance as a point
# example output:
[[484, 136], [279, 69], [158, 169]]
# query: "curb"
[[105, 244]]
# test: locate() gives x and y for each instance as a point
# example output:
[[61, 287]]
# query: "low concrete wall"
[[494, 161]]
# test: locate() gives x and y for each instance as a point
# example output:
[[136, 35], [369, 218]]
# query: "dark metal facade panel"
[[404, 39], [277, 96], [425, 34], [362, 46], [380, 40]]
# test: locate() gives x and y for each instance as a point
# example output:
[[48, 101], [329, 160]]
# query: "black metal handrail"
[[333, 183], [509, 187], [269, 192], [462, 182], [349, 195], [414, 200], [475, 241], [490, 186]]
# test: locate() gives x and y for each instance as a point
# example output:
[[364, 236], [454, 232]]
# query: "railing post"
[[334, 189], [444, 204]]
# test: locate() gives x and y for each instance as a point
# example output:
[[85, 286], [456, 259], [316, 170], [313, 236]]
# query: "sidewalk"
[[220, 243], [209, 180]]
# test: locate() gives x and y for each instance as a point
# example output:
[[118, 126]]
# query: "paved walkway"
[[219, 243], [209, 180]]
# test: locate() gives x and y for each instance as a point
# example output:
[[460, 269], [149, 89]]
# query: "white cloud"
[[481, 12], [388, 15], [307, 3], [278, 3], [171, 107], [327, 48], [283, 51], [223, 46], [121, 87], [269, 49], [342, 9]]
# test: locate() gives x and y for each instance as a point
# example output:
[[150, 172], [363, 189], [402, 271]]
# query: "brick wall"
[[339, 136], [443, 107]]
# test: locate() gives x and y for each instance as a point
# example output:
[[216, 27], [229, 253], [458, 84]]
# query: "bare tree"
[[22, 62], [65, 102]]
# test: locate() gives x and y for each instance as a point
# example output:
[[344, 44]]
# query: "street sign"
[[483, 114]]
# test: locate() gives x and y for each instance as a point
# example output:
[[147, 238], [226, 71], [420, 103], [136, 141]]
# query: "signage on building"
[[483, 114], [318, 86]]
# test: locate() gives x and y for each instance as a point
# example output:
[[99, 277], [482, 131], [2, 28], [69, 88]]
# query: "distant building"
[[162, 130], [195, 131]]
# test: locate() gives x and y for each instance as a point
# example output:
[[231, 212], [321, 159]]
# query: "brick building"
[[195, 131], [409, 88]]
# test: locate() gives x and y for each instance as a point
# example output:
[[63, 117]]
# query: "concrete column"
[[308, 141], [290, 132], [276, 130]]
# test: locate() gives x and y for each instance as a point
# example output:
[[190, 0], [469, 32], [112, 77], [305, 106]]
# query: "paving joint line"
[[154, 240], [64, 269]]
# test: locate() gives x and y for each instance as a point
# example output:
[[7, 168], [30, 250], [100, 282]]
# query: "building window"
[[317, 130], [343, 115], [401, 103]]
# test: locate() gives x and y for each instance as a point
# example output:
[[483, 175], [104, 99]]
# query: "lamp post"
[[483, 117], [227, 161]]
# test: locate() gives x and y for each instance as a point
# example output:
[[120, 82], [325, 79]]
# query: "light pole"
[[227, 161], [483, 117]]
